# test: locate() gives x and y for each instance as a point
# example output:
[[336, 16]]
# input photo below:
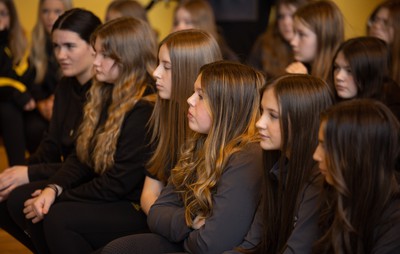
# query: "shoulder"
[[66, 84], [391, 91], [388, 231], [248, 159], [252, 152]]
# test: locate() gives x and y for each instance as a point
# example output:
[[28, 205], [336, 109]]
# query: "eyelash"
[[273, 116]]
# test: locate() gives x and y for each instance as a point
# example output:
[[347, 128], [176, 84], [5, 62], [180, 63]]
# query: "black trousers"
[[76, 227], [142, 244], [21, 131]]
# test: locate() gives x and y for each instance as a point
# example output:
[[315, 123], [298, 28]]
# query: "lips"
[[189, 115], [340, 88], [64, 65], [263, 136]]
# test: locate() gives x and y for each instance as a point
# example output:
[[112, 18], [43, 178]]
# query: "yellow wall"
[[160, 15], [355, 12]]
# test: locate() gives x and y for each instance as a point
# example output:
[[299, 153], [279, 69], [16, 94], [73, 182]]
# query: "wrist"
[[56, 188]]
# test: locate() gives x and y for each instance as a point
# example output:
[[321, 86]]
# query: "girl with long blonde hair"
[[106, 174], [219, 174]]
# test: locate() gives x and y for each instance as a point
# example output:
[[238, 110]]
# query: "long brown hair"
[[121, 38], [361, 143], [325, 19], [230, 91], [188, 50], [301, 99]]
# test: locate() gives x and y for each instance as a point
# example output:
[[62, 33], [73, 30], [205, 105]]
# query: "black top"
[[15, 80], [124, 180], [58, 142], [392, 97], [234, 199], [305, 229]]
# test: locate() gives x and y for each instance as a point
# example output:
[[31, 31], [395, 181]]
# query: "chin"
[[267, 146]]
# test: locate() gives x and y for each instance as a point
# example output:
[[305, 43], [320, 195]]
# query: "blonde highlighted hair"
[[188, 50], [231, 92], [129, 43], [38, 55]]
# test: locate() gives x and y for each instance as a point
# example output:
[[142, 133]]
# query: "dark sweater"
[[124, 180], [15, 80], [234, 201], [58, 142]]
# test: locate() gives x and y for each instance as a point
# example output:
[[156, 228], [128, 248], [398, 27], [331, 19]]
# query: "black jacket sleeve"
[[234, 206], [125, 179]]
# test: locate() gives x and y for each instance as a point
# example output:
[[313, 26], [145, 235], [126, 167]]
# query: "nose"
[[287, 21], [156, 72], [316, 155], [96, 61], [191, 101], [295, 40], [339, 75], [261, 124], [53, 17], [60, 53]]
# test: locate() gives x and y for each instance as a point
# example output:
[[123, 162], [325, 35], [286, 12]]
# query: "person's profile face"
[[380, 27], [304, 42], [285, 21], [199, 115], [49, 12], [269, 127], [4, 17], [345, 85]]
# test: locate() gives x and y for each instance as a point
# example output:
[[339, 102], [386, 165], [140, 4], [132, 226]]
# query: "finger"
[[36, 193], [37, 219], [29, 202], [27, 209], [5, 193], [30, 215]]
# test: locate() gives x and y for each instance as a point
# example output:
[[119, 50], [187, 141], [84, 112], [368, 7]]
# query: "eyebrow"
[[272, 110]]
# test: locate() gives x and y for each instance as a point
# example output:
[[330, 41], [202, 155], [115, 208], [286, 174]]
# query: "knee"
[[17, 198]]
